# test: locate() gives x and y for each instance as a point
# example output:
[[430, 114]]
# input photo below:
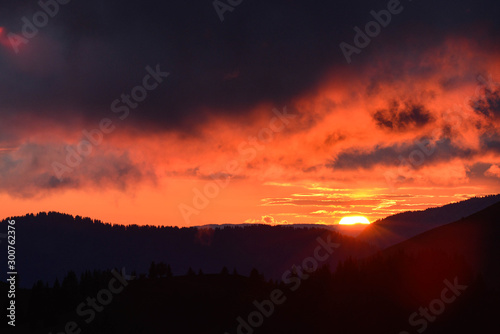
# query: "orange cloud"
[[347, 133]]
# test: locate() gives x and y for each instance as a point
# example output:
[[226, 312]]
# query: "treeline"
[[50, 244], [383, 291], [45, 305], [446, 213]]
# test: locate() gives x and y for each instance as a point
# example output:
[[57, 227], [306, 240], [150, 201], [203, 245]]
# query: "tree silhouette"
[[256, 276], [224, 271], [169, 272], [161, 269], [153, 270]]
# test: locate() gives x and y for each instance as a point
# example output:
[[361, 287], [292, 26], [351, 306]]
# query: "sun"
[[354, 220]]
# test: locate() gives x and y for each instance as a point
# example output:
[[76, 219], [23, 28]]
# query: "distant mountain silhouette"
[[334, 227], [50, 244], [397, 228], [451, 272]]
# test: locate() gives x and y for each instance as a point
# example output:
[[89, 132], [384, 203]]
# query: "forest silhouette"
[[241, 288]]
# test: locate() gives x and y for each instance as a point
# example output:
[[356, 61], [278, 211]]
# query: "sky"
[[188, 113]]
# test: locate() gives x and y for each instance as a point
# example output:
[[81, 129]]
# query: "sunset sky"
[[256, 118]]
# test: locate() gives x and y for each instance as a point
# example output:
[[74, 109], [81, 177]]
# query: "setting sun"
[[354, 220]]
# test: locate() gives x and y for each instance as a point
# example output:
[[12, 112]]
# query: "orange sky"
[[337, 154]]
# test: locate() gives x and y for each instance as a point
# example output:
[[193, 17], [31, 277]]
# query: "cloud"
[[399, 118], [27, 171], [322, 201], [491, 141], [268, 220], [93, 51], [334, 138], [423, 150], [494, 171], [488, 104]]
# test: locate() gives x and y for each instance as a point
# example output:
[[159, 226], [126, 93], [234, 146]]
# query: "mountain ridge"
[[50, 244], [393, 229]]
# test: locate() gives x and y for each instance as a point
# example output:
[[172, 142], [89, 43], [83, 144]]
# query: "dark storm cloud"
[[93, 51], [399, 118], [488, 104], [491, 141], [419, 150]]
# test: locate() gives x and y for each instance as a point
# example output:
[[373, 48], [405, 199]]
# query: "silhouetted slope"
[[393, 229], [450, 271], [48, 245], [476, 238], [376, 295]]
